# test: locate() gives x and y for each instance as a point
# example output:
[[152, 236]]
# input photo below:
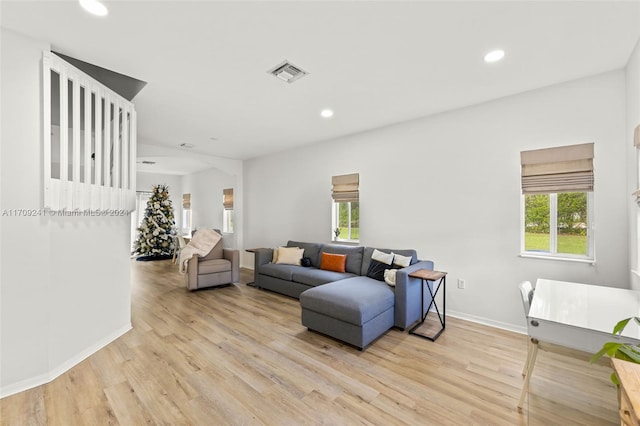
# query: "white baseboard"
[[24, 385], [472, 318], [487, 321], [42, 379]]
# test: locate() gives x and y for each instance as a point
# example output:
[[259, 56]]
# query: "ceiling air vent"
[[288, 72]]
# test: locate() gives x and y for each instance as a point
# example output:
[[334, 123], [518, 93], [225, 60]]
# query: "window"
[[558, 224], [186, 214], [227, 214], [557, 202], [346, 221], [345, 210]]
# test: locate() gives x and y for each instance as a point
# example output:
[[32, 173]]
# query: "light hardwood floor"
[[238, 355]]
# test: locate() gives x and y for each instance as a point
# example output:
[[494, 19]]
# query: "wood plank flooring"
[[239, 356]]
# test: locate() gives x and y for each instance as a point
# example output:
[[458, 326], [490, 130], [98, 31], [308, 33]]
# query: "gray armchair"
[[221, 266]]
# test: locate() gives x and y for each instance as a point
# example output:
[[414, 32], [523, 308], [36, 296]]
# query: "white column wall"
[[449, 186], [633, 181], [65, 288], [206, 188]]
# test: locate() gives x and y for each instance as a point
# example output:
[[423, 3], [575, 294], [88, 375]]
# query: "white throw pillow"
[[403, 261], [380, 256], [289, 255], [390, 276], [274, 259]]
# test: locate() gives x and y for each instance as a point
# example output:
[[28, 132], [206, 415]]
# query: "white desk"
[[578, 316], [581, 316]]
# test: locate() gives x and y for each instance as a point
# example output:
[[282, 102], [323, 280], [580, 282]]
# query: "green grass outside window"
[[567, 244]]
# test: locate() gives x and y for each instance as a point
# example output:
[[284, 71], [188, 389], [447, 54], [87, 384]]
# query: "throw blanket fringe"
[[200, 245]]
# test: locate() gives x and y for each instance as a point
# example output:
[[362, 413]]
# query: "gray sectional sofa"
[[349, 306]]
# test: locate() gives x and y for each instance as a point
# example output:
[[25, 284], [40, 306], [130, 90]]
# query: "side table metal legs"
[[441, 282]]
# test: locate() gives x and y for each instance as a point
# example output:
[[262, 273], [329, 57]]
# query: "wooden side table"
[[439, 279], [252, 250], [629, 398]]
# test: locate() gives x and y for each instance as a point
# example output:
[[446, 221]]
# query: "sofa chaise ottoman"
[[355, 310]]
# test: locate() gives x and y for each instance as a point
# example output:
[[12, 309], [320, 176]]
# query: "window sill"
[[345, 242], [560, 258]]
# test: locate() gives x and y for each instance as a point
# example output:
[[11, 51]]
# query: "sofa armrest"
[[407, 307], [262, 257], [233, 256], [192, 273]]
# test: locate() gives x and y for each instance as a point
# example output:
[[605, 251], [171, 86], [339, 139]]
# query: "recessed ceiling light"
[[494, 56], [186, 145], [94, 7], [326, 113]]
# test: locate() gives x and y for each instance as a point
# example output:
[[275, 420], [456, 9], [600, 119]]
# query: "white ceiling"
[[374, 63]]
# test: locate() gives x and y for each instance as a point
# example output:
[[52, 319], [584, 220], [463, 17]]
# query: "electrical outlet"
[[461, 283]]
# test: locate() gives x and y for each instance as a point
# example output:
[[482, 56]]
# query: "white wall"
[[633, 183], [449, 186], [65, 289], [206, 188]]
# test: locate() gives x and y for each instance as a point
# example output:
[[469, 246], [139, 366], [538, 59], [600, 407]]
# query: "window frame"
[[186, 220], [590, 257], [227, 221], [335, 222]]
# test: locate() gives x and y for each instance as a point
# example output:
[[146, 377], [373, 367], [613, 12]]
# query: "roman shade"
[[345, 188], [227, 198], [186, 201], [559, 169]]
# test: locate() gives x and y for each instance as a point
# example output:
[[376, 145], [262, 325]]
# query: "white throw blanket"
[[200, 245]]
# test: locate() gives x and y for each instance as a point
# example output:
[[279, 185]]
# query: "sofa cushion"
[[382, 257], [368, 251], [213, 266], [314, 277], [289, 256], [355, 300], [354, 256], [401, 261], [280, 271], [333, 262], [311, 250], [376, 269]]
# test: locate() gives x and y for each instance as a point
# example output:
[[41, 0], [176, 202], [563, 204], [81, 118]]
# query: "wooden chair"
[[180, 242], [526, 291]]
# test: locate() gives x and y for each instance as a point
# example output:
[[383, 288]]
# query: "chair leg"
[[526, 364], [527, 377]]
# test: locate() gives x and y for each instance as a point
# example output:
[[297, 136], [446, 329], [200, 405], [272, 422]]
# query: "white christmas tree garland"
[[156, 232]]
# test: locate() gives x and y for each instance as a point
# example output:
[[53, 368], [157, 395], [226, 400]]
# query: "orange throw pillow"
[[333, 262]]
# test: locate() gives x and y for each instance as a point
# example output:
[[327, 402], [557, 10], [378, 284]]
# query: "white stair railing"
[[89, 143]]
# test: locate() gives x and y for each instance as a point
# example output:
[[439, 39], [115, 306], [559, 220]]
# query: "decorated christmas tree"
[[156, 232]]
